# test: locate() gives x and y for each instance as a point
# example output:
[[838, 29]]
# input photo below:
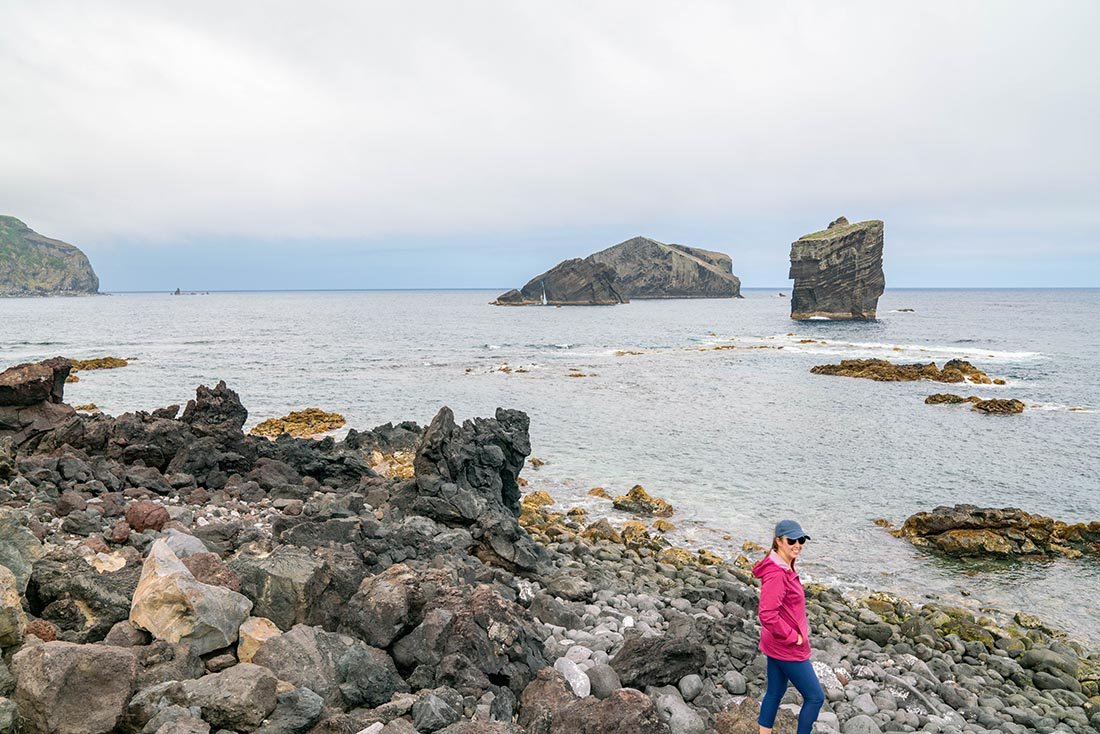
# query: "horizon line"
[[198, 291]]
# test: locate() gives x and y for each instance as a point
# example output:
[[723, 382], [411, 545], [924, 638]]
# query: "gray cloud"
[[158, 122]]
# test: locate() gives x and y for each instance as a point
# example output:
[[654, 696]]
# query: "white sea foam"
[[1059, 408], [926, 351]]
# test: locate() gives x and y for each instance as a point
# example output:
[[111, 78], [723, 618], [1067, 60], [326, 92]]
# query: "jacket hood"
[[768, 566]]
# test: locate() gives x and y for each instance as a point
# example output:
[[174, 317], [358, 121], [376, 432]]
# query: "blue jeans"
[[802, 674]]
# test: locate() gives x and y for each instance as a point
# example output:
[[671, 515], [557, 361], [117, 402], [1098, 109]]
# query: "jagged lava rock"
[[33, 265], [467, 476], [837, 272]]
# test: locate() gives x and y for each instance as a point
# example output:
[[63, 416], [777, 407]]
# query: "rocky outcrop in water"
[[645, 268], [881, 370], [638, 268], [573, 282], [300, 423], [967, 530], [999, 406], [33, 265], [837, 272], [133, 549]]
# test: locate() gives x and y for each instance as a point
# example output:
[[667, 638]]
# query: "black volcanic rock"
[[637, 268], [467, 476], [33, 265], [837, 272]]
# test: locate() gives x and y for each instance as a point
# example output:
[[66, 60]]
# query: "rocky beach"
[[165, 572]]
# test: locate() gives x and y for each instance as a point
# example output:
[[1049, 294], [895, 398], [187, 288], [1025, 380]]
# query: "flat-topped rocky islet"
[[837, 272], [639, 268], [33, 265]]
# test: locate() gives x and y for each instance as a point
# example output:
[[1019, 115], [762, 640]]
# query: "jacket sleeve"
[[771, 599]]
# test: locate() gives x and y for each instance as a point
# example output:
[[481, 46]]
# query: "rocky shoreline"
[[178, 575]]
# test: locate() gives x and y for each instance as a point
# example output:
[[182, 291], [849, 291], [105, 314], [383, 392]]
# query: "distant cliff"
[[837, 272], [638, 268], [33, 265]]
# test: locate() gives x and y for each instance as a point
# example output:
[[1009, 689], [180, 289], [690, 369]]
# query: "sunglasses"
[[800, 541]]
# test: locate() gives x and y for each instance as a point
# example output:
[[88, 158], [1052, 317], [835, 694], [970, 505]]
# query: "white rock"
[[576, 677]]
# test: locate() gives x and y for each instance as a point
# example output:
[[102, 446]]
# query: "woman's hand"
[[799, 639]]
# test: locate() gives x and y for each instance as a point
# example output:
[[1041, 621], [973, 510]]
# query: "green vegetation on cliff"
[[33, 265]]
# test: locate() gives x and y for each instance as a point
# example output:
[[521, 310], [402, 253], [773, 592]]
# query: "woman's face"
[[790, 548]]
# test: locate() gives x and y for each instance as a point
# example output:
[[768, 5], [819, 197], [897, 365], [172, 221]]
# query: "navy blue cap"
[[790, 529]]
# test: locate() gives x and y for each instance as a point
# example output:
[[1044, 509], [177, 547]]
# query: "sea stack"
[[639, 268], [837, 272], [33, 265]]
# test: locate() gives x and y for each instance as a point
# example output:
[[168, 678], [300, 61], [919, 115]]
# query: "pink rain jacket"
[[782, 610]]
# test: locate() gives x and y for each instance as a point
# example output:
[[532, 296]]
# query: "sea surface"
[[735, 438]]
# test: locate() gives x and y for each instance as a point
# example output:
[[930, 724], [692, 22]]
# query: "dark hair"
[[775, 543]]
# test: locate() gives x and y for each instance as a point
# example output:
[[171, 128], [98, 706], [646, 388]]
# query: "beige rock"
[[12, 620], [252, 634], [107, 562], [172, 605]]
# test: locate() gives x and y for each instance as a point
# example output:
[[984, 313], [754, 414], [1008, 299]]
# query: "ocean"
[[736, 438]]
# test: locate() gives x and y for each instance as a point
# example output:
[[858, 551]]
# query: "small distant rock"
[[99, 363], [946, 398], [300, 423], [639, 502], [998, 406]]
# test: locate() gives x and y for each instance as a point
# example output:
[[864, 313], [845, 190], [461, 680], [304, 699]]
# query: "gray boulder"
[[66, 688], [19, 549], [343, 671], [490, 632], [295, 712], [238, 698], [658, 661], [604, 680], [282, 585]]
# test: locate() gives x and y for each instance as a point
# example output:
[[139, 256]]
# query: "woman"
[[784, 631]]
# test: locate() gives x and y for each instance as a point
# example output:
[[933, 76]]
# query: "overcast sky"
[[413, 144]]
